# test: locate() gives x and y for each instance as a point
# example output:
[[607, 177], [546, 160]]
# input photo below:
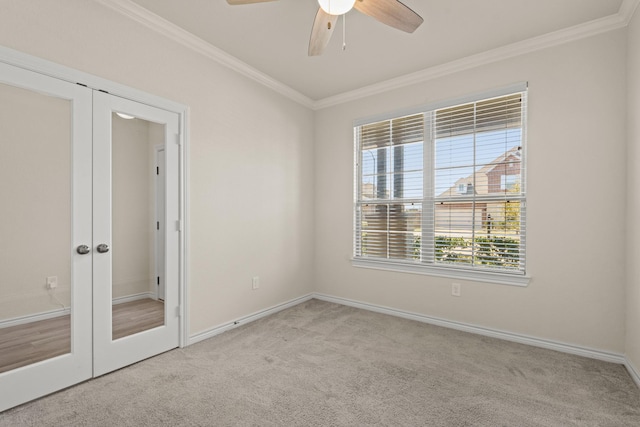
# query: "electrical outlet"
[[255, 282], [455, 289], [52, 282]]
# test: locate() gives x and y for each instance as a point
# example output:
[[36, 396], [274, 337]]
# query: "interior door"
[[130, 322], [45, 235]]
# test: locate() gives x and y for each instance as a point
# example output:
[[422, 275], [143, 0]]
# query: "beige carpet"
[[322, 364]]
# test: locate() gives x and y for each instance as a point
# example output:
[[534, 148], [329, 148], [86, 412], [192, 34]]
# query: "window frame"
[[427, 265]]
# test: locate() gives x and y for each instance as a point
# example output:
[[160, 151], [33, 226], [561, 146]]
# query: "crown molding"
[[156, 23], [566, 35], [627, 9], [179, 35]]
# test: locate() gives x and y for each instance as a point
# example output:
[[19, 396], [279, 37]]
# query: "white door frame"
[[23, 391], [42, 66], [159, 236], [29, 62]]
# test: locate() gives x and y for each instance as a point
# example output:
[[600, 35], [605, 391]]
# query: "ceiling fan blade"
[[390, 12], [236, 2], [321, 32]]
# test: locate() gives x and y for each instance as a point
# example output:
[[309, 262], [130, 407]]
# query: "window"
[[442, 191]]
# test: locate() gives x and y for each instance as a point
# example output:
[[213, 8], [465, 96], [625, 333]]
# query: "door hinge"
[[157, 170], [179, 225], [178, 311], [178, 138], [157, 225], [158, 280]]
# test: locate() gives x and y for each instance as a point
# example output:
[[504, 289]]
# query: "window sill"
[[513, 279]]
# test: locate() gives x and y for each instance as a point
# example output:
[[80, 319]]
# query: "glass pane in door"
[[137, 225], [35, 227]]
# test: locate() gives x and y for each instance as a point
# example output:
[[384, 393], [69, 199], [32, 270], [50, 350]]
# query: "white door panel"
[[124, 211], [65, 182], [42, 217]]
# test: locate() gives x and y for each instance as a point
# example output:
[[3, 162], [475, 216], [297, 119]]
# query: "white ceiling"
[[273, 37]]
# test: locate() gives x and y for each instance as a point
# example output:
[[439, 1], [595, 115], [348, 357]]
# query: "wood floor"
[[36, 341], [136, 316], [32, 342]]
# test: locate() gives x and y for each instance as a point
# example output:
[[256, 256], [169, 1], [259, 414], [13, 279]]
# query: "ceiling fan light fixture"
[[336, 7]]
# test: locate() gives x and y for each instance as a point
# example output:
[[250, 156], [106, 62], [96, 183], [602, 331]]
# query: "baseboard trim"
[[465, 327], [635, 374], [15, 321], [494, 333], [136, 297], [34, 317], [201, 336]]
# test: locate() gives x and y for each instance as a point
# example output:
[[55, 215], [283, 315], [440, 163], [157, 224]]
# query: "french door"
[[127, 229], [80, 225]]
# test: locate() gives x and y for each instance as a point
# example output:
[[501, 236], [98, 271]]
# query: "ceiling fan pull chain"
[[344, 32]]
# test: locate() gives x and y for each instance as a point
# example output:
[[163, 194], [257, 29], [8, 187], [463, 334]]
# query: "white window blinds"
[[390, 195], [444, 187]]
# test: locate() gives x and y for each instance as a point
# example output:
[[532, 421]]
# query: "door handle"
[[103, 248], [83, 249]]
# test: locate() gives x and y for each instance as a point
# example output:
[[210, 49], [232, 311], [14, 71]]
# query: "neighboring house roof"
[[480, 185]]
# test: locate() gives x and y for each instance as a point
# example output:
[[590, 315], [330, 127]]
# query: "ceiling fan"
[[389, 12]]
